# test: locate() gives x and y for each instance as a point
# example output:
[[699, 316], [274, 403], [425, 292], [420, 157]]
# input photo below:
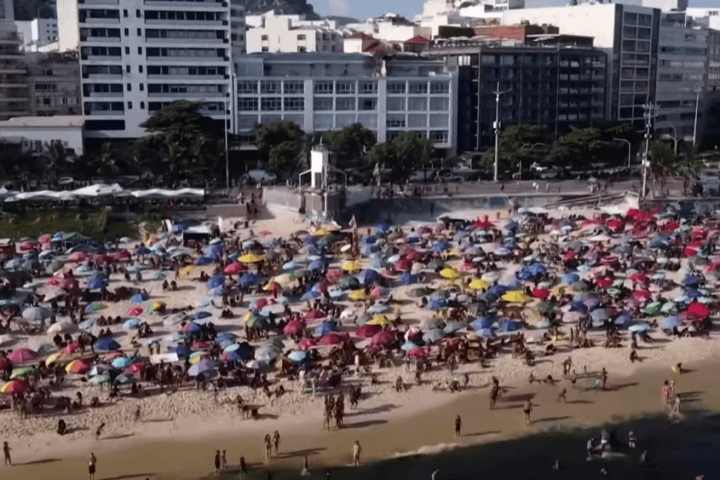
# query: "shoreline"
[[383, 432]]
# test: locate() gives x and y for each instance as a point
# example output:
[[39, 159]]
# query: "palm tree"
[[106, 164], [56, 158]]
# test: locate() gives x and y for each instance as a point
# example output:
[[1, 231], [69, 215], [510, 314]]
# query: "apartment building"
[[138, 56], [324, 92], [7, 10], [14, 86], [558, 86], [682, 77], [628, 34], [54, 80], [37, 33], [238, 26], [289, 34]]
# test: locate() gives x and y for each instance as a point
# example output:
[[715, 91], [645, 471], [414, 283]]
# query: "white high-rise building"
[[37, 33], [138, 56], [7, 10]]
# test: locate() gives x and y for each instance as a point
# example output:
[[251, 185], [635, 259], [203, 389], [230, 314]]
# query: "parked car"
[[262, 177]]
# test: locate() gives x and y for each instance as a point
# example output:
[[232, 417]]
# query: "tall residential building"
[[557, 86], [38, 32], [682, 77], [14, 87], [138, 56], [238, 26], [290, 34], [628, 34], [323, 92], [54, 80], [7, 10]]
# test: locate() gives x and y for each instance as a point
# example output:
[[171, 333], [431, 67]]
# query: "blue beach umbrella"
[[671, 322], [107, 344], [140, 297]]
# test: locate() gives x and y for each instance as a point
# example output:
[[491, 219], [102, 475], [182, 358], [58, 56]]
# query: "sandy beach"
[[178, 433]]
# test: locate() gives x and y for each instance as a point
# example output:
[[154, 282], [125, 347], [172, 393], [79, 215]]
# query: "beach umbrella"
[[54, 357], [671, 322], [482, 322], [107, 344], [268, 353], [310, 295], [121, 362], [698, 310], [98, 370], [479, 284], [77, 367], [298, 356], [433, 336], [407, 278], [249, 279], [215, 282], [36, 314], [368, 330], [368, 276], [509, 326], [233, 268], [435, 264], [570, 278], [132, 324], [94, 307], [516, 296], [384, 338], [22, 355], [325, 327], [622, 320], [124, 379], [98, 283], [381, 320], [641, 295], [201, 366], [139, 297], [14, 387], [333, 338], [351, 266], [135, 311], [314, 314], [20, 372], [251, 258], [294, 327], [441, 246], [100, 379], [640, 327], [349, 283], [599, 315], [449, 273]]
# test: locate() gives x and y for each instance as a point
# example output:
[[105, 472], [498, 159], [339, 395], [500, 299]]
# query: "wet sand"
[[176, 450]]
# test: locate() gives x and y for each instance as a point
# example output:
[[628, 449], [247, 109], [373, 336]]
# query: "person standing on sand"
[[268, 447], [458, 425], [243, 465], [604, 378], [527, 410], [217, 463], [92, 463], [356, 451], [562, 396], [276, 443], [223, 462], [666, 393], [6, 452], [494, 394], [675, 411]]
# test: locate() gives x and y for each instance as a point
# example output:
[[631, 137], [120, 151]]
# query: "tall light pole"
[[629, 148], [697, 106], [496, 126], [227, 155], [649, 115], [531, 147]]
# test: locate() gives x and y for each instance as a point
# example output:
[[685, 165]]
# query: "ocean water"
[[675, 451]]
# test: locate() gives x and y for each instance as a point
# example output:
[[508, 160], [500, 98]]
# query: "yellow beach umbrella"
[[358, 295], [380, 320], [54, 358], [557, 291], [516, 296], [351, 266], [248, 315], [251, 258], [284, 279], [187, 270], [479, 284], [449, 273]]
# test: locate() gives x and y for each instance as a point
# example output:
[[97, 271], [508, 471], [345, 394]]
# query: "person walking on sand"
[[356, 451], [604, 378], [268, 447], [217, 463], [527, 410], [458, 425], [276, 443], [92, 465], [494, 394], [138, 413], [666, 393], [562, 396], [6, 453], [99, 431], [675, 411], [223, 462]]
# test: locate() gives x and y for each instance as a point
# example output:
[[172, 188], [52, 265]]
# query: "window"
[[142, 87], [439, 104], [417, 104], [368, 87], [396, 104], [344, 87], [439, 87], [248, 104], [302, 49], [139, 50], [301, 37], [270, 86], [142, 104], [139, 32], [264, 38], [129, 105], [396, 121], [140, 69], [396, 87], [127, 32], [345, 104], [323, 87], [247, 86], [127, 68], [367, 103], [294, 86], [323, 104], [418, 87], [440, 136], [294, 104], [129, 87], [271, 104], [265, 49], [127, 50]]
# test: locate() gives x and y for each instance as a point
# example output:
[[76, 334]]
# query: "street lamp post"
[[629, 147], [227, 155], [671, 137], [648, 109], [496, 126], [531, 147]]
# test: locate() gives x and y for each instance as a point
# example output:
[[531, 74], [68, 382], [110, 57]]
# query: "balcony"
[[100, 39], [175, 41], [103, 76], [102, 58], [186, 95], [99, 2], [103, 95], [217, 4], [96, 20], [187, 59], [97, 113], [186, 23], [193, 78]]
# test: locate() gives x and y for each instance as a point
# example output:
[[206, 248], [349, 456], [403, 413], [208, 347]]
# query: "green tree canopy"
[[511, 143], [350, 143], [284, 145], [181, 141], [403, 154], [579, 147]]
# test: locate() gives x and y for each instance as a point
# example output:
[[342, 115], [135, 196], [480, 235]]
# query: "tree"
[[181, 141], [403, 154], [351, 143], [579, 147], [511, 143], [284, 145], [56, 159], [663, 162]]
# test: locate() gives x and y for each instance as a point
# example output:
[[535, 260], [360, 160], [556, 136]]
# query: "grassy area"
[[101, 225]]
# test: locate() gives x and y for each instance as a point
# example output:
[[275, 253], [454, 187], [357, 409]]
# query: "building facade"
[[557, 87], [54, 80], [628, 34], [682, 77], [7, 10], [329, 92], [138, 56], [33, 134], [37, 33], [285, 34], [14, 86]]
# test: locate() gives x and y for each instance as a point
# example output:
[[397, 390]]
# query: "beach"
[[178, 433]]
